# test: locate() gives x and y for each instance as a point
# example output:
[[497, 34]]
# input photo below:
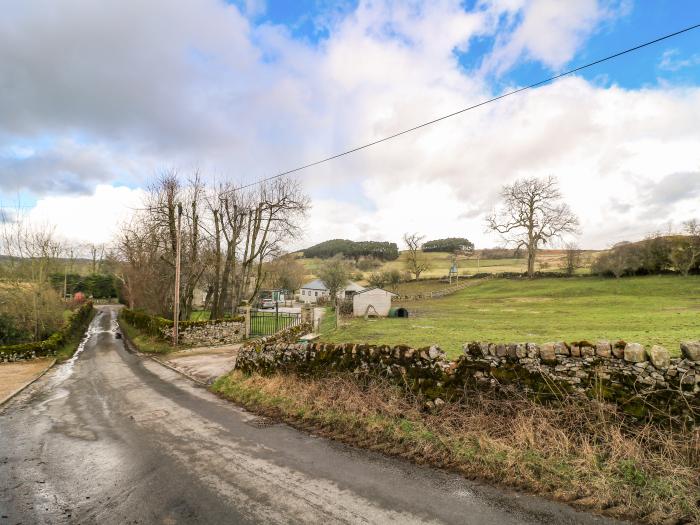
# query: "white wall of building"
[[311, 296], [378, 298]]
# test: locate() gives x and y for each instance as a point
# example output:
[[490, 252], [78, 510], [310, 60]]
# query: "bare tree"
[[250, 228], [685, 252], [97, 253], [416, 261], [285, 273], [32, 254], [572, 258], [146, 246], [227, 235], [272, 219], [334, 273], [532, 215]]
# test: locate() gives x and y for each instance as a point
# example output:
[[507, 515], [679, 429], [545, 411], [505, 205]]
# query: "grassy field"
[[649, 310], [547, 261], [144, 342]]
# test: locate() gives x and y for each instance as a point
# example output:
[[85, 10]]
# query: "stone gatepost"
[[244, 310], [307, 314]]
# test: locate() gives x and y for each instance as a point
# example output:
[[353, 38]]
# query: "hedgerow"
[[75, 324]]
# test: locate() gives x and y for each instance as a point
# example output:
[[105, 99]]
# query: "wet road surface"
[[111, 437]]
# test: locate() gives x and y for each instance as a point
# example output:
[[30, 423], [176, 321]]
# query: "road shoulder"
[[18, 375], [204, 363]]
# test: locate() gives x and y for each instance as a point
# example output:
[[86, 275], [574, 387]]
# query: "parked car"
[[267, 303]]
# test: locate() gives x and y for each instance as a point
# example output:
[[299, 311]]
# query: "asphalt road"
[[112, 437]]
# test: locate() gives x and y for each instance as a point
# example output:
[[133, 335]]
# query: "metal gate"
[[268, 323]]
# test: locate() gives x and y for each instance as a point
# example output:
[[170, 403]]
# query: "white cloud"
[[671, 60], [91, 218], [549, 31], [611, 148]]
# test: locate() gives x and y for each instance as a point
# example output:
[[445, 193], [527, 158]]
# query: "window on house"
[[316, 294]]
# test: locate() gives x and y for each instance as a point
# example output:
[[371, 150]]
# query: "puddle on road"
[[149, 416], [65, 370]]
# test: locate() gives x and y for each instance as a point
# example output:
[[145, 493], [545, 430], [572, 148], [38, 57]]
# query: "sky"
[[98, 98]]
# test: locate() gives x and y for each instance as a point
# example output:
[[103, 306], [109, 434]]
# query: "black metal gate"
[[268, 323]]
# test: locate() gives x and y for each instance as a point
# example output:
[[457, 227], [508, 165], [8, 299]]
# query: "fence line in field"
[[440, 293]]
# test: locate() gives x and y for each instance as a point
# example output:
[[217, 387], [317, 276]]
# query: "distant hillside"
[[547, 261], [384, 251]]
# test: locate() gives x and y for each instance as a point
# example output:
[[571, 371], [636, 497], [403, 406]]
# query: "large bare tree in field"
[[532, 215]]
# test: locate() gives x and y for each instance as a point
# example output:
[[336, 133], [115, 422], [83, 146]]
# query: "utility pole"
[[337, 312], [65, 273], [176, 309]]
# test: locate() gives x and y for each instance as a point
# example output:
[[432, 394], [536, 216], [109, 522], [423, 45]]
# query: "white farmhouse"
[[311, 292], [372, 301]]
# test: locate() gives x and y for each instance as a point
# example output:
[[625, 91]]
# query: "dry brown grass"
[[587, 455]]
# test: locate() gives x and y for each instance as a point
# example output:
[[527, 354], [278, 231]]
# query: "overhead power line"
[[459, 112]]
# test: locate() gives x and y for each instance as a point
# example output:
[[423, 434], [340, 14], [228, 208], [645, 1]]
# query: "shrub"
[[368, 263], [378, 279], [501, 253], [345, 307], [10, 333]]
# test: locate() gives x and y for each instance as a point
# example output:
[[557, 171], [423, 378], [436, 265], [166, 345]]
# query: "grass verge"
[[144, 342], [67, 350], [582, 454]]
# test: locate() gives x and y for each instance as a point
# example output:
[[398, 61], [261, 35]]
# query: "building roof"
[[318, 284], [353, 287], [376, 288]]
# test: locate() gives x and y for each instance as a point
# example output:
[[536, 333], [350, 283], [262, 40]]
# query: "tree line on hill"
[[449, 245], [656, 254], [383, 251]]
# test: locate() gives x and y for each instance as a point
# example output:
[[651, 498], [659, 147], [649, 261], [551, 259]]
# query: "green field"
[[547, 261], [649, 310]]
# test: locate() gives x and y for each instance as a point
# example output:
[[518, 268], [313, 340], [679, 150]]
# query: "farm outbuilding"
[[311, 292], [372, 301]]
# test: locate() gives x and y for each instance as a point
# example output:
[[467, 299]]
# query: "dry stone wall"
[[207, 333], [288, 335], [646, 384]]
